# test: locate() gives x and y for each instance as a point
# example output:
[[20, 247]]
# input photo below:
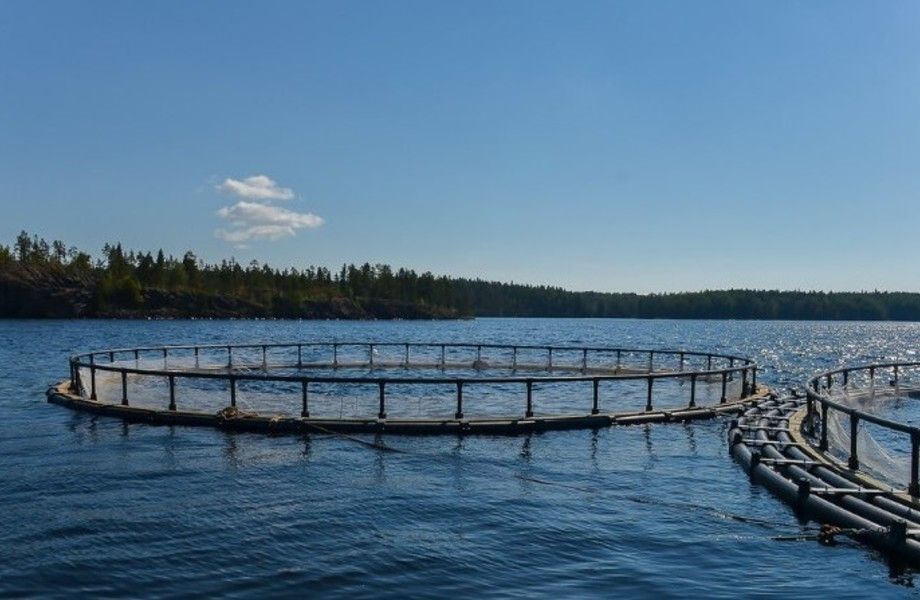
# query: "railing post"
[[651, 358], [335, 355], [709, 362], [478, 355], [124, 388], [853, 461], [681, 367], [648, 398], [299, 356], [407, 355], [264, 360], [824, 415], [443, 357], [693, 391], [753, 380], [165, 358], [229, 357], [828, 382], [594, 408], [382, 412], [92, 377], [111, 357], [744, 384], [550, 359], [896, 378], [724, 399], [914, 488], [846, 377], [233, 391], [872, 382], [619, 359], [584, 360], [459, 414], [304, 392], [529, 412], [514, 358], [137, 359], [172, 392], [197, 361], [370, 355]]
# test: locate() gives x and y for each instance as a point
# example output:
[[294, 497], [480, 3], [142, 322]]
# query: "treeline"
[[134, 280]]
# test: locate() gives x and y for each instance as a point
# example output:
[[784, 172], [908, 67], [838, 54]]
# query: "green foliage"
[[122, 277]]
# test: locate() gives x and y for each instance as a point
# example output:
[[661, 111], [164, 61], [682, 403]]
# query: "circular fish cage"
[[406, 387]]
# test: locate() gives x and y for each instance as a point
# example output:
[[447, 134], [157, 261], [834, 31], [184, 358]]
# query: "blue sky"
[[643, 146]]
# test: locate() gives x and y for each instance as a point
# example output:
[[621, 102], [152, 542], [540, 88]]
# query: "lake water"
[[95, 506]]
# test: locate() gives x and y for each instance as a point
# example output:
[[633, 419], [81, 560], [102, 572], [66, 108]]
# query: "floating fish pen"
[[836, 460], [406, 387]]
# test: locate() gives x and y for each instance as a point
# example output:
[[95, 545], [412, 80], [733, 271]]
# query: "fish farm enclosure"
[[819, 450]]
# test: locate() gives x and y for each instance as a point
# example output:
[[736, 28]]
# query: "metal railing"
[[717, 367], [819, 394]]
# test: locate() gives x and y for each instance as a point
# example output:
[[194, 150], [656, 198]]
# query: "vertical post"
[[264, 360], [335, 355], [92, 377], [478, 355], [111, 357], [304, 393], [382, 412], [165, 358], [550, 358], [896, 378], [594, 408], [459, 414], [124, 388], [823, 444], [172, 392], [693, 391], [407, 355], [709, 362], [828, 382], [299, 356], [370, 354], [514, 358], [872, 382], [137, 359], [197, 362], [233, 391], [651, 357], [584, 360], [619, 359], [648, 398], [846, 378], [853, 461], [723, 399], [744, 385], [229, 357], [681, 368], [529, 411], [914, 488], [443, 357], [754, 380]]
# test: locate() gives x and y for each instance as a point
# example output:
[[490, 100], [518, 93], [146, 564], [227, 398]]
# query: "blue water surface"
[[94, 506]]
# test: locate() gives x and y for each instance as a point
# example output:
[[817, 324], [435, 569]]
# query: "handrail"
[[818, 390], [91, 360]]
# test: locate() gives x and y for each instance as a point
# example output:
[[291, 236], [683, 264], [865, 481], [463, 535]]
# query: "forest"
[[42, 279]]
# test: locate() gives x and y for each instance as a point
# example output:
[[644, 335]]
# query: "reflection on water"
[[99, 507]]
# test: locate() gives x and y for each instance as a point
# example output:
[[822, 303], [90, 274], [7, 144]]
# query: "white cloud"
[[254, 221], [257, 187]]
